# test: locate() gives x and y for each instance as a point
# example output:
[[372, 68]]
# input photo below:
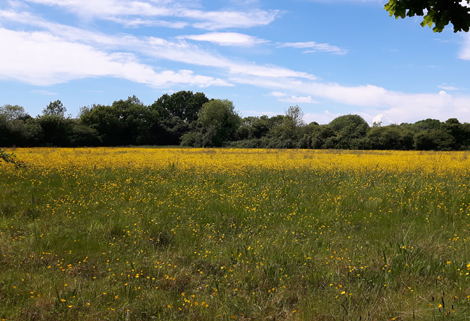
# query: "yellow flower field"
[[238, 160], [234, 234]]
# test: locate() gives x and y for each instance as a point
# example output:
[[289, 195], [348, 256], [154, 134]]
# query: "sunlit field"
[[233, 234]]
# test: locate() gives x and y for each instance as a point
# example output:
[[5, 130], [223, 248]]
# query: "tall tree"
[[182, 104], [349, 129], [56, 129], [55, 108], [13, 112], [219, 122]]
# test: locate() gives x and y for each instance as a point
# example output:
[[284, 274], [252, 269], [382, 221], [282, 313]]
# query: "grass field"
[[227, 234]]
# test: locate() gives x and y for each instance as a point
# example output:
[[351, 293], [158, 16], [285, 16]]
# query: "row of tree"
[[189, 119]]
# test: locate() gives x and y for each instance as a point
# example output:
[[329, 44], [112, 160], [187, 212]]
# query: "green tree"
[[288, 126], [436, 12], [105, 120], [83, 135], [389, 138], [427, 124], [296, 115], [15, 112], [349, 129], [340, 123], [125, 122], [219, 122], [56, 129], [55, 108], [434, 139], [183, 104]]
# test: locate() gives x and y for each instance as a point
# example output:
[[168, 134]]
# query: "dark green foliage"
[[342, 122], [182, 104], [435, 139], [125, 122], [436, 12], [17, 128], [253, 127], [461, 132], [83, 135], [427, 124], [389, 137], [11, 113], [188, 119], [218, 122], [56, 130], [55, 108]]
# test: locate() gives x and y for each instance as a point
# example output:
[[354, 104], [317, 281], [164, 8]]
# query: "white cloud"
[[277, 94], [179, 51], [191, 54], [315, 47], [124, 12], [374, 100], [42, 59], [16, 4], [299, 100], [227, 39], [107, 8], [447, 87], [213, 20], [382, 119], [138, 22]]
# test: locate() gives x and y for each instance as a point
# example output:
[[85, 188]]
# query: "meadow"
[[234, 234]]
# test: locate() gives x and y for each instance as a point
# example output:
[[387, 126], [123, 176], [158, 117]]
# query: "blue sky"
[[330, 57]]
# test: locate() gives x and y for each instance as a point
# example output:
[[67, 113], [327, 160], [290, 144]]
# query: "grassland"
[[202, 234]]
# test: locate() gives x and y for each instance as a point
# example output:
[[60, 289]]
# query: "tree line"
[[191, 119]]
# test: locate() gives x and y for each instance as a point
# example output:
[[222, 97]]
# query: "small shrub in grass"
[[12, 159]]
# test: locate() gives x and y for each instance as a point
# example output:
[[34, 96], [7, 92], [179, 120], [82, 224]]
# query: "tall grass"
[[179, 239]]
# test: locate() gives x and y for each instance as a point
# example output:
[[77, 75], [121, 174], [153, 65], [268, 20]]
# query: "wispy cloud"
[[135, 13], [299, 100], [372, 99], [42, 59], [179, 51], [447, 87], [227, 39], [315, 47], [215, 20], [464, 53], [277, 94]]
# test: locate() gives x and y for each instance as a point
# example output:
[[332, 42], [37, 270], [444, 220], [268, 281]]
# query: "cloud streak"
[[299, 100], [41, 59], [227, 39], [179, 51], [136, 13], [372, 100], [315, 47]]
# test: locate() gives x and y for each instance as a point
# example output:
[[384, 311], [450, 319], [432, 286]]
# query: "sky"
[[329, 57]]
